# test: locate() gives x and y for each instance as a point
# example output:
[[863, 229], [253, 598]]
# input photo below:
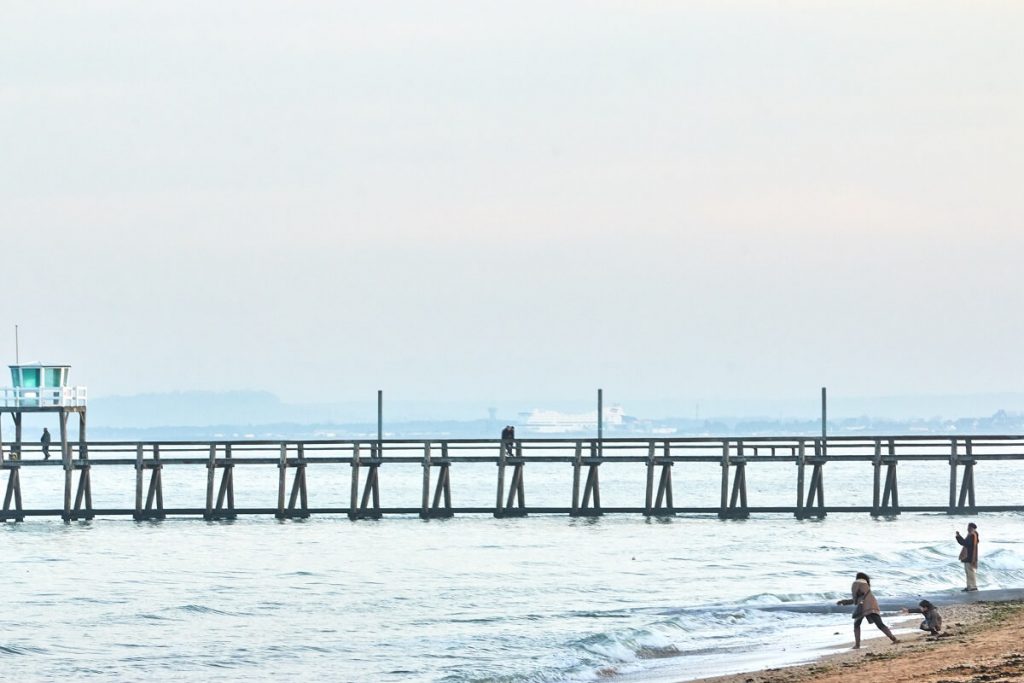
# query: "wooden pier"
[[297, 463]]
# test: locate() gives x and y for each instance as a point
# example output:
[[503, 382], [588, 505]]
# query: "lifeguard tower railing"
[[43, 397]]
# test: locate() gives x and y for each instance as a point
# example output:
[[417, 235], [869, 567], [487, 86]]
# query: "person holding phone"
[[969, 555]]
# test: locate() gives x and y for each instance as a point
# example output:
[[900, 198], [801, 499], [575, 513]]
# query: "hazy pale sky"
[[515, 200]]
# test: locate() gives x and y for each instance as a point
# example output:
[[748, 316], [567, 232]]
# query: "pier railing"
[[440, 460], [34, 397]]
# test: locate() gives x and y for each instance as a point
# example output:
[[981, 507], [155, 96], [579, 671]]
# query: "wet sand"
[[983, 642]]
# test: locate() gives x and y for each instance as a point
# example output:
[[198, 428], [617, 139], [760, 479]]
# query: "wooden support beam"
[[800, 464], [665, 487], [577, 466], [966, 503], [724, 508], [155, 494], [17, 433], [499, 504], [649, 496], [68, 469], [814, 505], [139, 470], [425, 497], [514, 505], [954, 462], [299, 495], [13, 494], [734, 506], [591, 505], [441, 504], [282, 479], [369, 504]]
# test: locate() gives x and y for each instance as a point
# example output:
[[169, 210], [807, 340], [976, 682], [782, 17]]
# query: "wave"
[[20, 650], [203, 609]]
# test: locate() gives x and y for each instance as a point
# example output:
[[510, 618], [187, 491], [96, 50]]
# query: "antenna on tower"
[[17, 351]]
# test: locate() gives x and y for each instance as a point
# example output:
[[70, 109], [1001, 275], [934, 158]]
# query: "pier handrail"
[[17, 397]]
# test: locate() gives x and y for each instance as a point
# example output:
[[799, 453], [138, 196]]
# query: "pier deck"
[[439, 461]]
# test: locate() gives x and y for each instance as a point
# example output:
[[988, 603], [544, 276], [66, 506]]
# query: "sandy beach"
[[983, 643]]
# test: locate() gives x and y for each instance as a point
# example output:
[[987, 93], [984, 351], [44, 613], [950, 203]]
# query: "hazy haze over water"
[[485, 200]]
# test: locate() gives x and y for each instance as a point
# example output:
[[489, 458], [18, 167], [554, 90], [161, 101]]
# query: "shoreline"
[[983, 640]]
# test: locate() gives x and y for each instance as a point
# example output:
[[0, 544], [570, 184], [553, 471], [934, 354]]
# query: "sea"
[[544, 599]]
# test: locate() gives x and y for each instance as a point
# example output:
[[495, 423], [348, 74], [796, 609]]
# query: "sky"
[[515, 200]]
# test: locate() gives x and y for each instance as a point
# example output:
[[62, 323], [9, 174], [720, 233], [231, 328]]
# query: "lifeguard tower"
[[43, 388]]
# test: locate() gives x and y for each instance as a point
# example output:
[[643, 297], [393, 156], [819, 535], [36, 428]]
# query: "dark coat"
[[969, 552], [932, 620]]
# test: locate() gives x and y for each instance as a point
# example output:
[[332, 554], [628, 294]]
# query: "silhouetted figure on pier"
[[508, 435], [45, 441], [969, 555], [866, 608]]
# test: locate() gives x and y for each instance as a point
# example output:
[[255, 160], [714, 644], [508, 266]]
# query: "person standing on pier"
[[45, 441], [969, 555], [508, 434], [867, 608]]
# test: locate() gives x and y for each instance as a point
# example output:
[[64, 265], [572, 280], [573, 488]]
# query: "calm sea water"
[[471, 598]]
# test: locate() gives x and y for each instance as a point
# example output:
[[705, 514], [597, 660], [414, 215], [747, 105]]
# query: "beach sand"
[[983, 643]]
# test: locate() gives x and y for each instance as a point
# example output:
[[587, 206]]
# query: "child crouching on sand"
[[932, 619]]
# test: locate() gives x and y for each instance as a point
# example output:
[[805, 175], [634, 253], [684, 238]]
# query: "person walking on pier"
[[866, 608], [45, 441], [969, 555]]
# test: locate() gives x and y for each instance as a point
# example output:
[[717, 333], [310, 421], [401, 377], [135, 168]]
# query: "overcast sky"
[[462, 200]]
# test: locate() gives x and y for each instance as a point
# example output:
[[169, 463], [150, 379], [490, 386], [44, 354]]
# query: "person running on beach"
[[45, 441], [867, 608], [969, 555], [932, 619]]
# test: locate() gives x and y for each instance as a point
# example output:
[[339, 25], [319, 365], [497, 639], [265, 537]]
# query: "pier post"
[[227, 483], [577, 465], [442, 489], [649, 497], [211, 478], [514, 505], [361, 508], [155, 494], [13, 493], [966, 502], [661, 504], [591, 488], [444, 486], [282, 480], [499, 503], [138, 482], [876, 466], [734, 506], [16, 416], [814, 505], [954, 460], [425, 501], [299, 493], [69, 472], [890, 503], [800, 464]]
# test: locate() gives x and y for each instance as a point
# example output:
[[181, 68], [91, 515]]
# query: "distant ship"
[[555, 422]]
